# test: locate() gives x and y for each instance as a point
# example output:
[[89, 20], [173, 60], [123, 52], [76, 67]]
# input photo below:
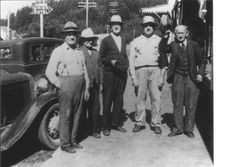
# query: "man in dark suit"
[[186, 70], [115, 62]]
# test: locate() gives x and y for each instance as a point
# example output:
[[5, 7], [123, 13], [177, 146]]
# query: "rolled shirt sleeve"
[[51, 70]]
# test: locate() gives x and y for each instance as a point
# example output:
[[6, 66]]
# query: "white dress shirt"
[[118, 41], [65, 61]]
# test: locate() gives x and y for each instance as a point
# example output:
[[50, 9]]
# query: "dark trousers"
[[92, 106], [184, 93], [113, 88], [70, 108]]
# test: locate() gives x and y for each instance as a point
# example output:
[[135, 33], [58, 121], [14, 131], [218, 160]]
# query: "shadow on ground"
[[27, 146], [148, 116], [167, 118], [85, 127]]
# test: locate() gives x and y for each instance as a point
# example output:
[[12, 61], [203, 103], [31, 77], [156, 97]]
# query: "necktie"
[[182, 46]]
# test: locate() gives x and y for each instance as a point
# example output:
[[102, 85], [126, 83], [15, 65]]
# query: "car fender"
[[12, 134]]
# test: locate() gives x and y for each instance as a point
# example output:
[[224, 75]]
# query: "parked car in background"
[[28, 55], [27, 97]]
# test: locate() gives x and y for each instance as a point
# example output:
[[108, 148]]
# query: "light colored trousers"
[[148, 82]]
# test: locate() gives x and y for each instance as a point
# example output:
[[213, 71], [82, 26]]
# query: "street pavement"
[[143, 149]]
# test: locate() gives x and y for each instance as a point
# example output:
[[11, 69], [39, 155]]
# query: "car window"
[[42, 52], [47, 50], [5, 53], [36, 52]]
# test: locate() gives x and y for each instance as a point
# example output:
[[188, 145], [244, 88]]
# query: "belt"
[[73, 76], [136, 68]]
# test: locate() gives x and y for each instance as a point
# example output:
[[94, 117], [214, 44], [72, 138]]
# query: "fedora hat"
[[116, 19], [88, 34], [148, 19], [70, 27]]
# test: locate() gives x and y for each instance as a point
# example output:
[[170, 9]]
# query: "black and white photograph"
[[107, 83]]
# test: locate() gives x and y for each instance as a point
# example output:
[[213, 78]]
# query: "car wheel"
[[49, 128]]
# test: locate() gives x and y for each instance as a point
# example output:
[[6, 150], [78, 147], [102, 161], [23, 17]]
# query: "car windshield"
[[5, 53]]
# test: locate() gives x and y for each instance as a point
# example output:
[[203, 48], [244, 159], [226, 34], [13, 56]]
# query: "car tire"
[[48, 131]]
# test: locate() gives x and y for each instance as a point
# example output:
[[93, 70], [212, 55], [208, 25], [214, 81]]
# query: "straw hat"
[[148, 19], [70, 27], [116, 19], [88, 34]]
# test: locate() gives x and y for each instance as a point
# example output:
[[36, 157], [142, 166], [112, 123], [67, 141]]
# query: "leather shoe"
[[174, 133], [77, 145], [157, 130], [119, 128], [68, 149], [96, 135], [189, 134], [106, 132], [138, 128]]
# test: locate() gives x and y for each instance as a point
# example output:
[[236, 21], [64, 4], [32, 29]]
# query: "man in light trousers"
[[145, 71]]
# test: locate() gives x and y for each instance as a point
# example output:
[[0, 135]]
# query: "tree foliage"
[[67, 10]]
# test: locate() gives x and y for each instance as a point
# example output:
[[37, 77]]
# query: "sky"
[[13, 6]]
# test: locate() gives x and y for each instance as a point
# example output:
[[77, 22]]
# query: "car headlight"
[[42, 85]]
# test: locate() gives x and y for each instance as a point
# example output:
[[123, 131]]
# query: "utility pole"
[[41, 25], [8, 26], [87, 5], [87, 13]]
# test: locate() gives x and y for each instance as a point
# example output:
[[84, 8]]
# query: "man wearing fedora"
[[87, 41], [145, 71], [115, 62], [67, 71]]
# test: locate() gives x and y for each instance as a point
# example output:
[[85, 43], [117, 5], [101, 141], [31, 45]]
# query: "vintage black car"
[[27, 98]]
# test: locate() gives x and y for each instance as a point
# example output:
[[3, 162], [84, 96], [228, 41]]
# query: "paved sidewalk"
[[143, 149]]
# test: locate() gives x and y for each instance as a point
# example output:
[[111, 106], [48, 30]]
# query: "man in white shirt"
[[67, 71], [145, 72]]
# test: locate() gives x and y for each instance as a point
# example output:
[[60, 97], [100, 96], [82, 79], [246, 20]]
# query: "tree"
[[3, 22], [23, 19], [67, 10]]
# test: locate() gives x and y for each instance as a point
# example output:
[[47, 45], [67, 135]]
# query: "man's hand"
[[57, 84], [113, 62], [199, 78], [160, 82], [86, 95], [100, 88], [135, 82]]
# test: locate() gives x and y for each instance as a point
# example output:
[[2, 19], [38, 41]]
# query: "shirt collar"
[[184, 42], [67, 47], [152, 37], [114, 36]]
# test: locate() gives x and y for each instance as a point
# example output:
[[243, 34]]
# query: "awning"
[[160, 9]]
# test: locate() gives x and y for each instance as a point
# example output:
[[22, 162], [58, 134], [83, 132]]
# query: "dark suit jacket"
[[94, 66], [196, 61], [109, 51]]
